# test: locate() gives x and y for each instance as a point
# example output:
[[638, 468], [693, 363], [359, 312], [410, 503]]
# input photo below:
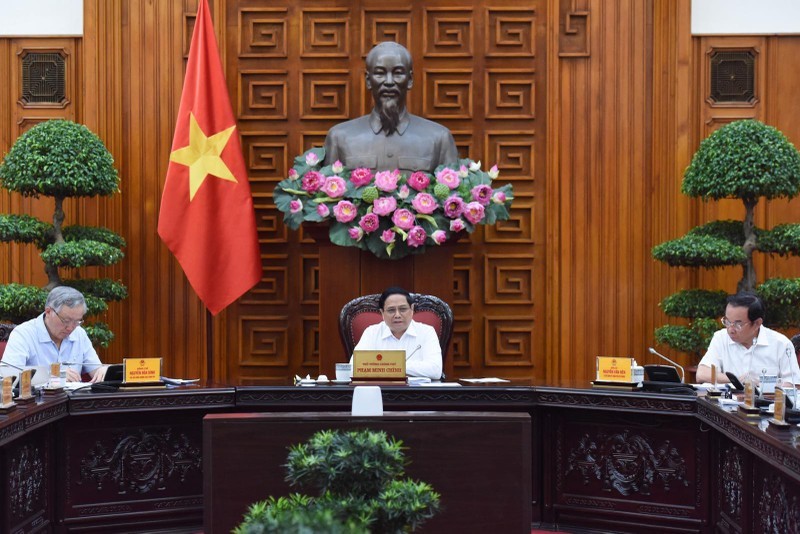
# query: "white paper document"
[[487, 380]]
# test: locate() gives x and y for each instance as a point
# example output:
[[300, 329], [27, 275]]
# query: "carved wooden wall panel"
[[298, 70]]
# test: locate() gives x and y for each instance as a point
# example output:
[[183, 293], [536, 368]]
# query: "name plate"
[[7, 397], [141, 370], [613, 369], [379, 364]]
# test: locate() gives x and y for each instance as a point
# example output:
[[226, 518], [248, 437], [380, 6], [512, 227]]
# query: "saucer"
[[340, 382]]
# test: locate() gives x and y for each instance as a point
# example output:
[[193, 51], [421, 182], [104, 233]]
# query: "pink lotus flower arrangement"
[[391, 213]]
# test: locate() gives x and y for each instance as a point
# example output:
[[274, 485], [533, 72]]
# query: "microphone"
[[683, 373], [11, 365], [413, 351], [789, 355]]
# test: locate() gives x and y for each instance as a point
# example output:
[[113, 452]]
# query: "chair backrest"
[[362, 312], [5, 331]]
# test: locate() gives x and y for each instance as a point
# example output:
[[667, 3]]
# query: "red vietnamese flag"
[[207, 218]]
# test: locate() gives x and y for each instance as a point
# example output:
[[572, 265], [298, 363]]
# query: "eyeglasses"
[[402, 310], [737, 325], [68, 322]]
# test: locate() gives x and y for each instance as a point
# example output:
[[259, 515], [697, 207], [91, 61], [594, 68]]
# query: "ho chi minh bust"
[[390, 137]]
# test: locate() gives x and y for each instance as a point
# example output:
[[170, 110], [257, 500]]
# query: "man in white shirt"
[[399, 331], [747, 348], [56, 336]]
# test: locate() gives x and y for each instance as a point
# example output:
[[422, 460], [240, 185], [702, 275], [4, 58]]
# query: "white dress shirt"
[[423, 361], [30, 344], [771, 351]]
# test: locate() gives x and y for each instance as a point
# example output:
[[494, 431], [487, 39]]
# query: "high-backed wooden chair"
[[362, 312]]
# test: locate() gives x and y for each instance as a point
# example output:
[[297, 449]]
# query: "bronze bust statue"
[[390, 137]]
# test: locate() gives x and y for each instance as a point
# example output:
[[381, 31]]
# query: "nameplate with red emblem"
[[379, 365]]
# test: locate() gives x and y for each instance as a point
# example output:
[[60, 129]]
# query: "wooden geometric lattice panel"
[[508, 279], [326, 32], [510, 32], [266, 154], [268, 222], [324, 94], [262, 94], [512, 152], [264, 341], [448, 93], [272, 288], [508, 341], [448, 32], [262, 32], [378, 25], [509, 94], [519, 226]]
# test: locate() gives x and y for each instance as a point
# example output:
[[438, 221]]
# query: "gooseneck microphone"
[[413, 351], [683, 373], [789, 356], [12, 365]]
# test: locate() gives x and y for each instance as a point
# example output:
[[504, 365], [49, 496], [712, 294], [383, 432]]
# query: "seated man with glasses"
[[56, 336], [747, 348], [400, 331]]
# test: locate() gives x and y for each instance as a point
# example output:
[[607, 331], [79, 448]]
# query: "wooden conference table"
[[615, 461]]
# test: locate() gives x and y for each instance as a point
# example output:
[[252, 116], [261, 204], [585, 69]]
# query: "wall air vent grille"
[[43, 78], [733, 76]]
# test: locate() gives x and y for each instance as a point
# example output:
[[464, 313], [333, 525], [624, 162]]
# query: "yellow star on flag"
[[202, 155]]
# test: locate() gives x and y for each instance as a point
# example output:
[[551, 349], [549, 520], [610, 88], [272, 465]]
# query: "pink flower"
[[293, 174], [424, 203], [323, 210], [345, 211], [387, 180], [448, 177], [463, 172], [312, 181], [474, 212], [384, 206], [311, 159], [499, 197], [295, 206], [439, 236], [453, 206], [482, 193], [337, 167], [369, 222], [404, 192], [416, 237], [494, 172], [403, 218], [334, 187], [419, 180], [388, 236], [361, 176], [355, 233], [457, 225]]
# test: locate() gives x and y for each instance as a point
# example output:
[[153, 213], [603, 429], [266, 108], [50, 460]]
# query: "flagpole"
[[209, 346]]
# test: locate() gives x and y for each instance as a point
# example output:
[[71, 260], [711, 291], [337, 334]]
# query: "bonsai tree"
[[356, 475], [61, 159], [744, 160]]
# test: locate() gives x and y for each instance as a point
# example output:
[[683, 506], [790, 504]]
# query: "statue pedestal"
[[348, 272]]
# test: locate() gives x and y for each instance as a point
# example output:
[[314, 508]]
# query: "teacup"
[[343, 371]]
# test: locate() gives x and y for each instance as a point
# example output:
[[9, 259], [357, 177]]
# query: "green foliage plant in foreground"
[[356, 476]]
